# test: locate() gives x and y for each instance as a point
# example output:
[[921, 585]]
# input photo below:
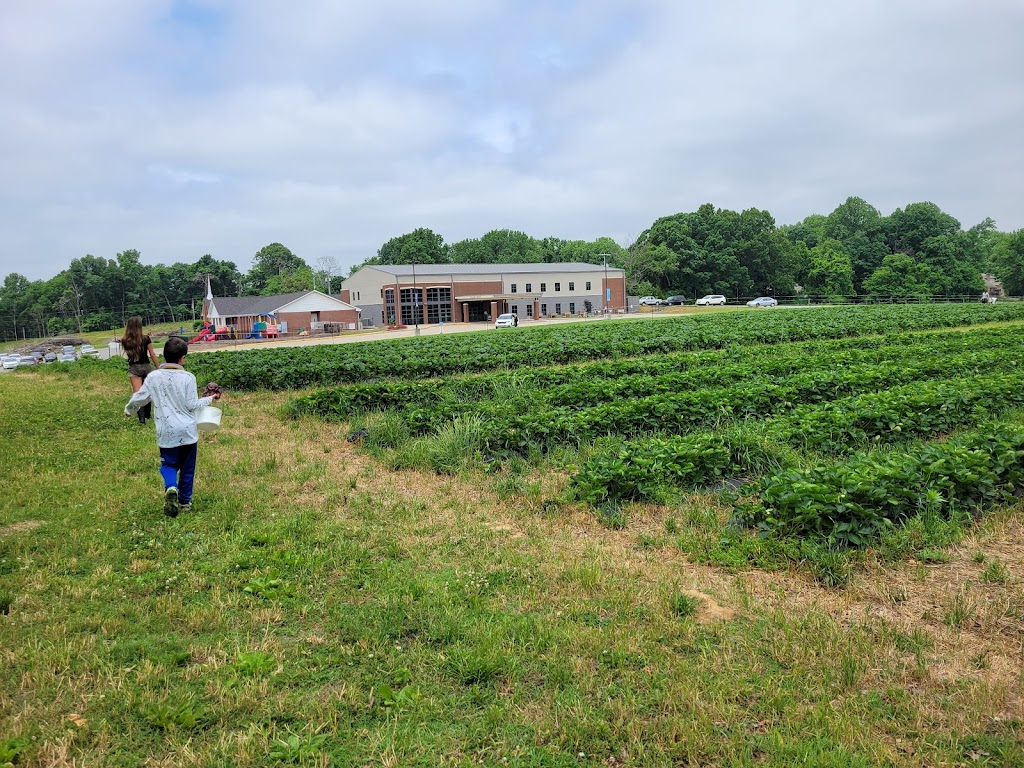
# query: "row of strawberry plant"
[[512, 427], [586, 385], [648, 468], [426, 357], [851, 503]]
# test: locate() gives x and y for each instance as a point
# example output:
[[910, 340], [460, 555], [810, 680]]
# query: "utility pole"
[[606, 298], [415, 301]]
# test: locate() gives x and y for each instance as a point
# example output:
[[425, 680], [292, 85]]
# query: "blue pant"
[[178, 468]]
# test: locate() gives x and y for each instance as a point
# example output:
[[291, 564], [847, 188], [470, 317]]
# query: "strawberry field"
[[811, 420], [435, 356]]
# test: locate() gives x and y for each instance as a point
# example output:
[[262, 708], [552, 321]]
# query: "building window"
[[543, 310], [588, 285], [572, 286], [514, 309], [558, 287], [572, 307], [543, 287], [514, 288], [439, 305], [411, 306], [558, 309], [529, 287], [529, 310]]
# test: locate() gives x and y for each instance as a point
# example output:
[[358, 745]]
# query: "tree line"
[[918, 251], [95, 293], [915, 252]]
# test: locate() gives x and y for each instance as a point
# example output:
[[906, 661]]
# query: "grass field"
[[318, 609]]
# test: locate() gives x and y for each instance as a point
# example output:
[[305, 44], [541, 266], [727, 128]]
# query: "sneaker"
[[185, 507], [171, 502]]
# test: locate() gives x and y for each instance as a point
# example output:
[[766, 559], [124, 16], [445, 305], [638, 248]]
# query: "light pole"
[[607, 292], [415, 301]]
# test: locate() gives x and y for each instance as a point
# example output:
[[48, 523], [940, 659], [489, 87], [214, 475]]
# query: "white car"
[[763, 301], [651, 301], [507, 320], [89, 349], [11, 362], [711, 300]]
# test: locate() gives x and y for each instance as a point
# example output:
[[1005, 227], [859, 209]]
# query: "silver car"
[[711, 300]]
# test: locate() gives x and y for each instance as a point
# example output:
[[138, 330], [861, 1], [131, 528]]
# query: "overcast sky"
[[181, 128]]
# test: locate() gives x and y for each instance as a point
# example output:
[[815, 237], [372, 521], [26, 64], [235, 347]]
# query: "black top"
[[142, 352]]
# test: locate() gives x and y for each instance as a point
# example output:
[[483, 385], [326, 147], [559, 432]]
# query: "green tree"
[[810, 231], [650, 269], [901, 276], [289, 282], [469, 251], [421, 246], [270, 260], [507, 246], [1007, 261], [225, 278], [906, 230], [831, 272]]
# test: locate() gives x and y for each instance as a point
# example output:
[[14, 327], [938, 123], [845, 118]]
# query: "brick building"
[[467, 293], [308, 310]]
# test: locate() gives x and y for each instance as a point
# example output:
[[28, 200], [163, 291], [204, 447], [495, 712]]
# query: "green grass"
[[317, 608]]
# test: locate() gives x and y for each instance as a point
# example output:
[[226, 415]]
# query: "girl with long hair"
[[137, 348]]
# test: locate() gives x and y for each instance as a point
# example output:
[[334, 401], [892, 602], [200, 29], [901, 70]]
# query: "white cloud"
[[220, 125]]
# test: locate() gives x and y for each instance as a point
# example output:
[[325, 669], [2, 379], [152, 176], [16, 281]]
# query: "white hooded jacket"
[[172, 390]]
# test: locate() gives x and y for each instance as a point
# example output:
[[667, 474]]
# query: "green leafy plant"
[[406, 697], [297, 748], [12, 750], [254, 663], [269, 586], [187, 715]]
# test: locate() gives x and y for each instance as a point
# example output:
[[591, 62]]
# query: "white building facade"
[[426, 294]]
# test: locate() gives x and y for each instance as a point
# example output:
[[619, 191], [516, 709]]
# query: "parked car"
[[11, 362], [711, 300], [50, 357], [675, 301], [89, 349], [26, 360], [763, 301], [507, 320], [651, 301]]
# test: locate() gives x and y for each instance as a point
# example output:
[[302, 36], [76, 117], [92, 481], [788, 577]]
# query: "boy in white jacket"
[[172, 390]]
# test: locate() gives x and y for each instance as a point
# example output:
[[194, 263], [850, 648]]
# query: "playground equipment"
[[206, 333], [260, 328], [210, 333]]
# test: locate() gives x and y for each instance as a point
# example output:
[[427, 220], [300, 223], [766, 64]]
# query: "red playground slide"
[[206, 334]]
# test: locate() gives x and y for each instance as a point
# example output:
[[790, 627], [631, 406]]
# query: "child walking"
[[172, 391], [138, 347]]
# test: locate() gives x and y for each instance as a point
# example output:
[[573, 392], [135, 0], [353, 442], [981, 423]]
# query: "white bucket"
[[208, 419]]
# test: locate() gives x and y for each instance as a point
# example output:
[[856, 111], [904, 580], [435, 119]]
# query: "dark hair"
[[175, 348], [133, 338]]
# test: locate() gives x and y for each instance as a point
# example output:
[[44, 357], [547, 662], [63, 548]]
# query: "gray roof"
[[431, 270], [253, 305]]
